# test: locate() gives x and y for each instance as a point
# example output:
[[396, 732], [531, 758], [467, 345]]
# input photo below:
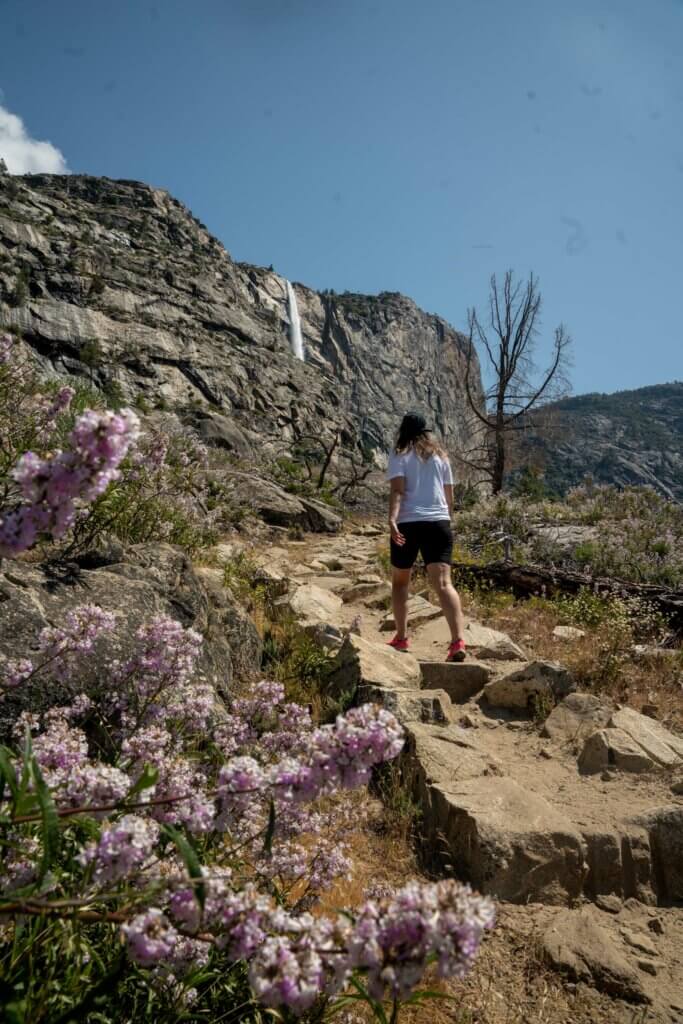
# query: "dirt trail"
[[597, 809]]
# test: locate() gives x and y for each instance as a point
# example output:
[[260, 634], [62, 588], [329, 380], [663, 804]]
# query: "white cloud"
[[24, 155]]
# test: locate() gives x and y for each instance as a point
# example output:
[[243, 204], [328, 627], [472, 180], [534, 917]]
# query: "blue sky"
[[409, 145]]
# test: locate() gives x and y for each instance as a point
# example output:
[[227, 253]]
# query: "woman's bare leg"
[[449, 599], [400, 591]]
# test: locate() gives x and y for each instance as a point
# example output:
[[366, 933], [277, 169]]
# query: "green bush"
[[297, 661], [163, 493], [631, 534]]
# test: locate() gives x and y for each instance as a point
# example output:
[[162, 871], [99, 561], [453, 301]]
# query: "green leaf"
[[149, 778], [190, 859], [374, 1004], [270, 831], [106, 986], [8, 776], [50, 820], [25, 801], [15, 1013]]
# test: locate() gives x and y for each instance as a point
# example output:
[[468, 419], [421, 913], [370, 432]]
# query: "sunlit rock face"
[[118, 283], [625, 438]]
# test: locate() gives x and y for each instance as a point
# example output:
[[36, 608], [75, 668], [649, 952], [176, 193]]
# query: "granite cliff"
[[626, 438], [116, 282]]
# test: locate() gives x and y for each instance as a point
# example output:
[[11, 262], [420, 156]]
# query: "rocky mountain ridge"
[[628, 437], [116, 282]]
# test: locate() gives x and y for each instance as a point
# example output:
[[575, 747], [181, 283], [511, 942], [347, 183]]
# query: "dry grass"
[[602, 661], [510, 983]]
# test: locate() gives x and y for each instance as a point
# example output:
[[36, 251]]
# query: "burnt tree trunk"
[[529, 580]]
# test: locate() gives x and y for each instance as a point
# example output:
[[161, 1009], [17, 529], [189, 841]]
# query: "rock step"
[[578, 944], [362, 667], [534, 681], [461, 680], [512, 843], [368, 589], [488, 828], [419, 611]]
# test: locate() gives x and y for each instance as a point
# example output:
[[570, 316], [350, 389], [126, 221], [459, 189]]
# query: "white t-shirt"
[[424, 497]]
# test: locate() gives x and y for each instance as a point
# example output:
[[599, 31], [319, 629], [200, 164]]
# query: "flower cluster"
[[256, 776], [394, 939], [296, 958], [63, 646], [150, 938], [50, 487], [122, 849]]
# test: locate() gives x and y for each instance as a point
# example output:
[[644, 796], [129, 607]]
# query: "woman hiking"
[[420, 508]]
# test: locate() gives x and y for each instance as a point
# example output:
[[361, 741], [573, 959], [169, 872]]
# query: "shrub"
[[91, 353], [113, 479], [241, 575], [29, 417], [586, 608], [530, 484], [402, 812], [203, 855], [161, 493], [631, 534], [297, 661]]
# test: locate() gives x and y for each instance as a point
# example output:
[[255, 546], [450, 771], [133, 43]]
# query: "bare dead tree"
[[356, 469], [329, 452], [310, 448], [352, 464], [518, 390], [340, 463]]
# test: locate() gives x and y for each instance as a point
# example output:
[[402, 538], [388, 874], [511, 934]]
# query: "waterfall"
[[295, 338]]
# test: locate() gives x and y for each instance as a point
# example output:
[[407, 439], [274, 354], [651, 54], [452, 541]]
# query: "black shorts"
[[433, 539]]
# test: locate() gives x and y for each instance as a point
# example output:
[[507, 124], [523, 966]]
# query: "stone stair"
[[479, 821], [525, 815], [550, 813], [461, 680]]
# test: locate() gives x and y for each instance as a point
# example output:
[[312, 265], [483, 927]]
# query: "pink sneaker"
[[398, 644], [456, 651]]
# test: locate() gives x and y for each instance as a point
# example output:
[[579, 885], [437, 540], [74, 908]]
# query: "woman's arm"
[[448, 488], [398, 486]]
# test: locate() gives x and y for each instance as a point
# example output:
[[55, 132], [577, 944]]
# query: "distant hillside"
[[629, 437]]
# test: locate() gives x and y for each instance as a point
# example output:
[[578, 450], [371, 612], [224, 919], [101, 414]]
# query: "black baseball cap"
[[412, 425]]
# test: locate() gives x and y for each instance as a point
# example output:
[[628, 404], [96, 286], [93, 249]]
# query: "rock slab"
[[362, 666], [544, 679], [504, 839], [312, 604], [612, 748], [419, 611], [578, 946], [657, 742], [460, 680], [576, 717]]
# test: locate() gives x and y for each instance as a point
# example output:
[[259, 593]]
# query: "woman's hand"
[[396, 534]]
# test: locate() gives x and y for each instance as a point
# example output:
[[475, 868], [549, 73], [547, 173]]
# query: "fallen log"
[[530, 580]]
